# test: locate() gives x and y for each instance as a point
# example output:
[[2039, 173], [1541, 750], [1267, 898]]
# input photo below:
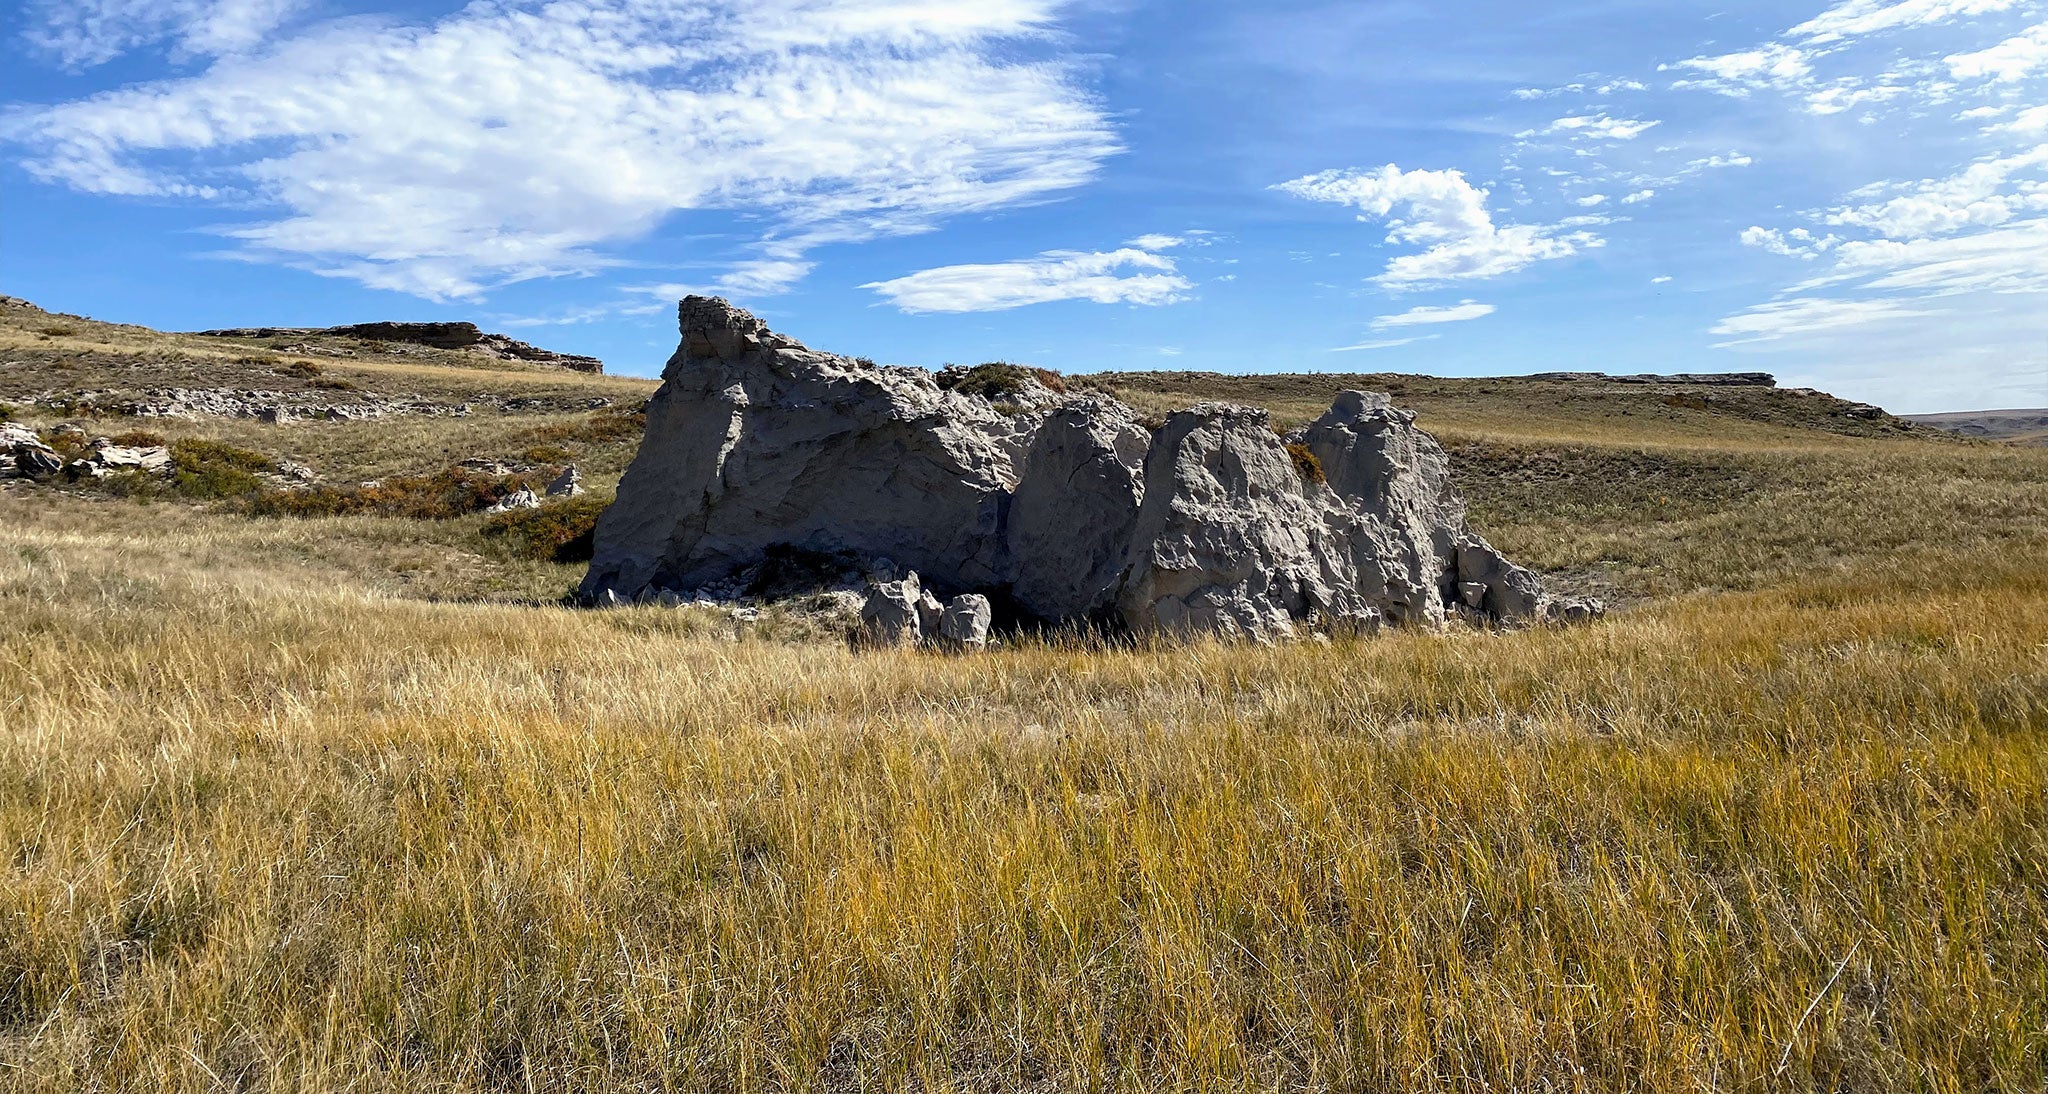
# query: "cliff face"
[[1062, 508]]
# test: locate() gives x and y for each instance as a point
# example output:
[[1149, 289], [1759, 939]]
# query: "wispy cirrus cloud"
[[571, 126], [1430, 316]]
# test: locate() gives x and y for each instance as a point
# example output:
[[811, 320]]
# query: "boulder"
[[1489, 582], [113, 457], [1047, 506], [568, 484], [521, 499], [966, 622], [892, 616]]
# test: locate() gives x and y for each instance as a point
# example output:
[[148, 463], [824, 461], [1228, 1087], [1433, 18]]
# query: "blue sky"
[[1850, 193]]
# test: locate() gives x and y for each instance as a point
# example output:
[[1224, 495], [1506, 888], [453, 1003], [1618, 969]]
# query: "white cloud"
[[1660, 281], [1602, 127], [2010, 60], [1101, 277], [1773, 65], [1983, 195], [1418, 317], [1156, 242], [522, 139], [1446, 215], [1808, 315], [1797, 243], [82, 33], [1854, 18], [1638, 197], [1386, 343], [1590, 201], [2008, 259]]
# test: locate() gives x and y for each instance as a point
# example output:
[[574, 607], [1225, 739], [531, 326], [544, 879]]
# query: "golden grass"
[[272, 833]]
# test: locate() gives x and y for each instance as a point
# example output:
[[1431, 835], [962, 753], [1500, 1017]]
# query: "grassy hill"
[[347, 802]]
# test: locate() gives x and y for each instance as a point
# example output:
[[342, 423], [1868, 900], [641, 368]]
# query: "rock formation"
[[1035, 504], [456, 336]]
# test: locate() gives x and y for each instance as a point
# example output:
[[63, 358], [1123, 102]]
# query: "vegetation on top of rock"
[[1001, 379]]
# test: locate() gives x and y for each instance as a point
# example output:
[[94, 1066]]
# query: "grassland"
[[346, 804]]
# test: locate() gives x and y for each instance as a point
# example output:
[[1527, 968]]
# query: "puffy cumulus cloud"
[[1986, 194], [1444, 214], [521, 138], [83, 33], [1426, 316], [2014, 59], [1125, 276], [1807, 316], [1856, 18], [1797, 243]]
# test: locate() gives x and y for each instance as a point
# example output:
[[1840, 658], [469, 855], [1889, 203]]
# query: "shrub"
[[6, 413], [56, 331], [1000, 379], [213, 469], [559, 531], [547, 453], [137, 438], [304, 370], [1306, 464], [335, 384], [445, 495]]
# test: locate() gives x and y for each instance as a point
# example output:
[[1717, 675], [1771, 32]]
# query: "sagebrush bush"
[[304, 370], [444, 495], [1001, 379]]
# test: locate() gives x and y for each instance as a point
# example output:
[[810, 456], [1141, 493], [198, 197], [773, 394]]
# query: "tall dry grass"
[[263, 834]]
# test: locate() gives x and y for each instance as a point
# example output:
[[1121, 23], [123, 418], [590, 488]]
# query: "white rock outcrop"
[[1041, 505]]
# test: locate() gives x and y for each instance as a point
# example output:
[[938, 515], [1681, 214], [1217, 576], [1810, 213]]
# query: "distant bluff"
[[452, 336], [761, 453]]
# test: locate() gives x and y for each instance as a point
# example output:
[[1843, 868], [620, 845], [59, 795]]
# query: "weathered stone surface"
[[892, 615], [754, 442], [760, 451], [115, 457], [517, 499], [1073, 512], [568, 484], [1226, 539], [1395, 509], [966, 622]]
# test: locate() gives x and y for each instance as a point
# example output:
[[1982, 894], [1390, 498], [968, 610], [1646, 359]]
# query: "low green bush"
[[998, 379], [559, 531], [444, 495]]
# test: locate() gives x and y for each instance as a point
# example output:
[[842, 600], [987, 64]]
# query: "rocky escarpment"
[[1051, 507], [451, 336]]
